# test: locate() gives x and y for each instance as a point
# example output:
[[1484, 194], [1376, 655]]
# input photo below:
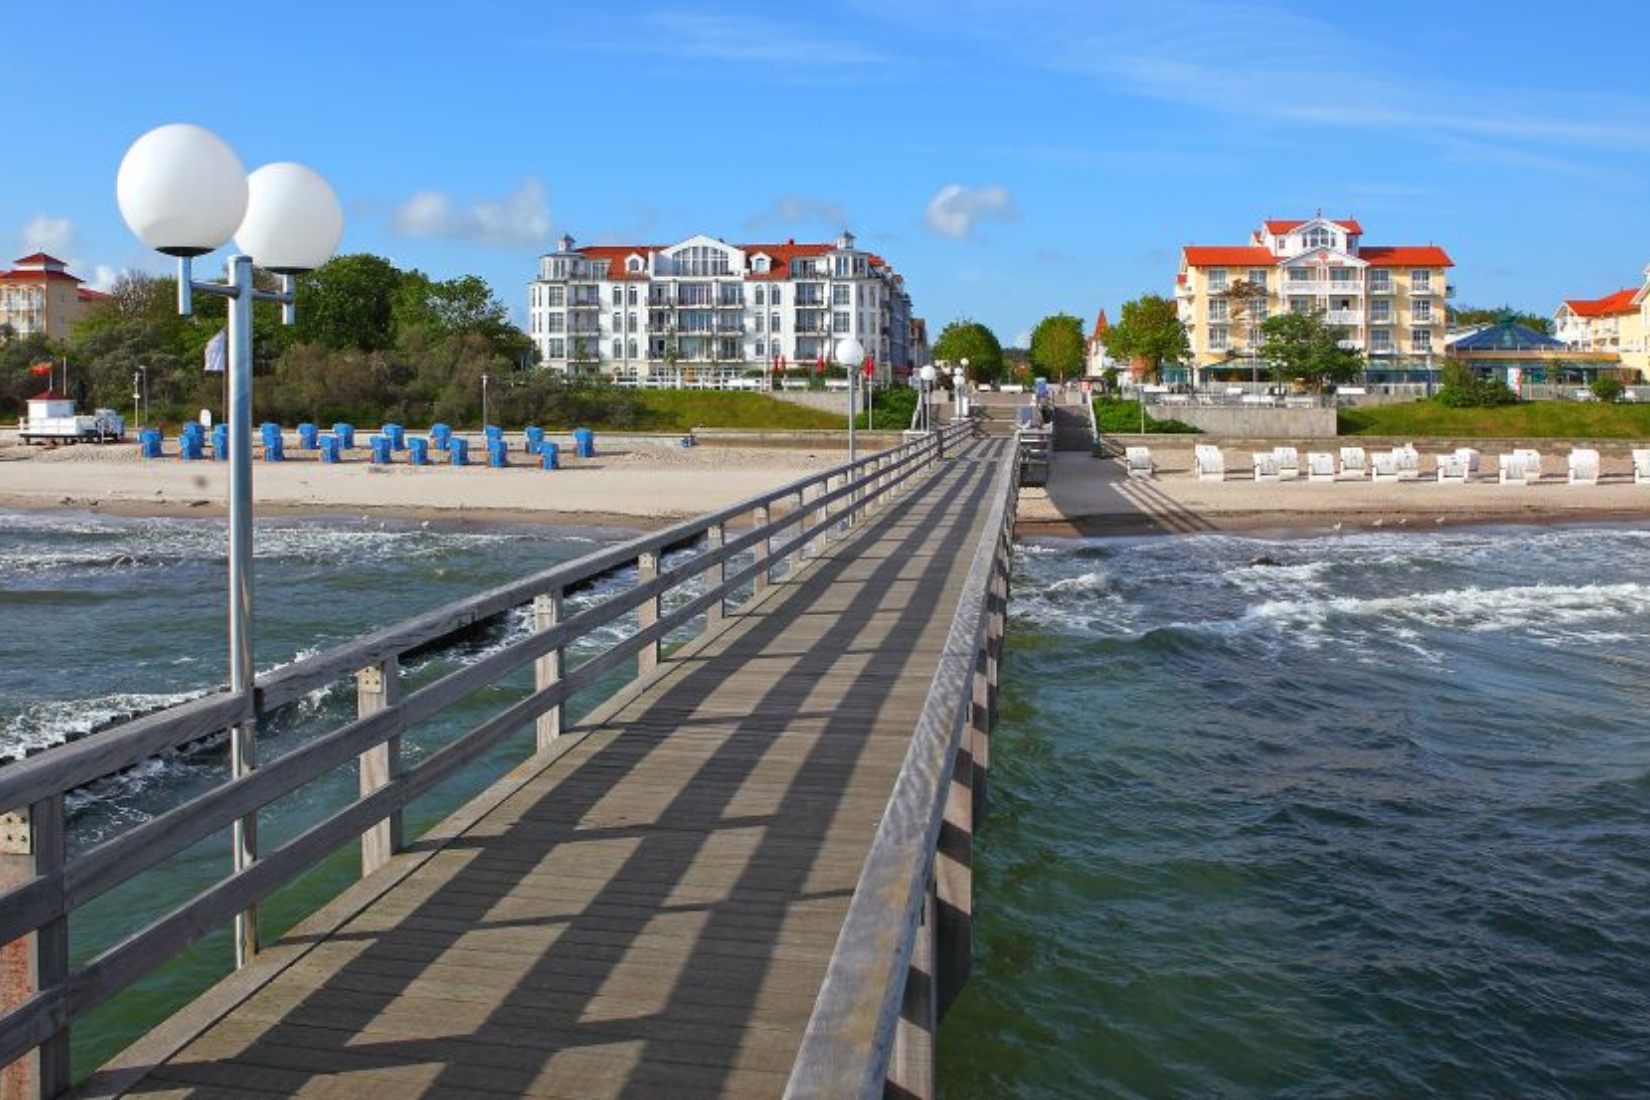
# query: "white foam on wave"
[[45, 723], [1549, 613]]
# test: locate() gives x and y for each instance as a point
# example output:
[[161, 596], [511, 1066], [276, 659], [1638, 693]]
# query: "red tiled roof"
[[51, 395], [1619, 302], [618, 254], [780, 254], [1228, 256], [40, 258], [1424, 255], [87, 294], [1101, 327], [35, 276], [1279, 227]]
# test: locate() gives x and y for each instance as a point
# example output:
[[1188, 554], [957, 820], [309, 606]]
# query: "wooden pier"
[[745, 875]]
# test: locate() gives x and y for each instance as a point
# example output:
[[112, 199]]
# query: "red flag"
[[870, 366], [41, 368], [819, 364], [781, 364]]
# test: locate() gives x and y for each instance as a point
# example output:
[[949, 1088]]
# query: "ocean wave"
[[1551, 611], [45, 723]]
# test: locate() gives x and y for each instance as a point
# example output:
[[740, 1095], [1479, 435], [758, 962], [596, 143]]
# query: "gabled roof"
[[1101, 327], [782, 255], [51, 395], [1279, 227], [1424, 255], [617, 254], [87, 294], [1228, 256], [1619, 302]]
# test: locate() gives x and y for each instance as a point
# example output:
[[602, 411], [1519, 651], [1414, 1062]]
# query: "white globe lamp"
[[182, 190], [293, 220]]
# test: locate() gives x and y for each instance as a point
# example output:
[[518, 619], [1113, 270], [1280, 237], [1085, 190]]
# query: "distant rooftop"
[[1508, 335]]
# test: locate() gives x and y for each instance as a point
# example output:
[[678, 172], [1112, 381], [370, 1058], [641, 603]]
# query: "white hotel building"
[[1389, 300], [704, 313]]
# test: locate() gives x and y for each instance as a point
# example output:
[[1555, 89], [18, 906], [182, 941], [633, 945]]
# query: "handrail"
[[728, 564], [848, 1047]]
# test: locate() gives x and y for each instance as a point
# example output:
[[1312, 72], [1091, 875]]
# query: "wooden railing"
[[905, 947], [741, 550]]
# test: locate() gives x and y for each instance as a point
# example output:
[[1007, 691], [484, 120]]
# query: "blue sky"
[[1012, 160]]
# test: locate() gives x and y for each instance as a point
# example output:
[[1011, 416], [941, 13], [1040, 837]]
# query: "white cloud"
[[52, 235], [520, 219], [788, 210], [803, 52], [954, 211]]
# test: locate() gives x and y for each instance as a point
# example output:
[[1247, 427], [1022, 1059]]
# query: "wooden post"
[[954, 885], [716, 536], [764, 549], [911, 1064], [377, 688], [547, 612], [800, 552], [647, 568], [32, 843]]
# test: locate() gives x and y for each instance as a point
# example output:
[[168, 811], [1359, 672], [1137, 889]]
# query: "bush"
[[1119, 417], [1607, 388], [1461, 389]]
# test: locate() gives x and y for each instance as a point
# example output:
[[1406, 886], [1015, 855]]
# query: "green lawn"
[[680, 410], [1532, 420]]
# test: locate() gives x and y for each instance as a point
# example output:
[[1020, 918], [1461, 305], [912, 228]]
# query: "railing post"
[[911, 1063], [547, 670], [954, 884], [377, 688], [716, 537], [32, 843], [764, 548], [800, 553], [647, 569]]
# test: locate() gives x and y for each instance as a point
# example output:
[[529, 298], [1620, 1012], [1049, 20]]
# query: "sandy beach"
[[650, 481], [1089, 496]]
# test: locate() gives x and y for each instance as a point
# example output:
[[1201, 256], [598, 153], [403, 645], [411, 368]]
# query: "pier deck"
[[649, 907]]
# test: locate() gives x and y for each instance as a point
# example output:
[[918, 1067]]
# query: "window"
[[777, 297], [758, 300], [1420, 281], [555, 296], [761, 349], [760, 326], [630, 298], [555, 349], [1318, 237], [1218, 338], [633, 265], [1219, 310], [555, 322], [840, 294], [1380, 340], [1300, 305], [1217, 280], [618, 322], [773, 322], [1380, 312], [618, 348], [1420, 339], [633, 349], [1421, 311], [1257, 276], [1299, 275], [1380, 282], [701, 260], [839, 322]]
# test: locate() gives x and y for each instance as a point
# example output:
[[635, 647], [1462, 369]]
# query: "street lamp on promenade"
[[849, 352], [484, 404], [927, 374], [184, 192]]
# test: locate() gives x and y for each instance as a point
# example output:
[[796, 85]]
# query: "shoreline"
[[645, 485]]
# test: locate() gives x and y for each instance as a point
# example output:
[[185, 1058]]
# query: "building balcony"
[[1322, 286], [1381, 288], [1350, 318]]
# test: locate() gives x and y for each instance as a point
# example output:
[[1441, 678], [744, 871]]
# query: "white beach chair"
[[1384, 468], [1320, 466], [1409, 462], [1353, 462], [1472, 458], [1583, 466], [1209, 462], [1452, 470], [1513, 469], [1266, 466], [1138, 461], [1641, 466], [1532, 462], [1289, 463]]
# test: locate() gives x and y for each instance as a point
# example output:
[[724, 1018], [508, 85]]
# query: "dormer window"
[[633, 265], [1318, 237]]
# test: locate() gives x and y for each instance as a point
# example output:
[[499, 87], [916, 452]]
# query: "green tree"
[[1058, 347], [1473, 315], [1149, 328], [966, 339], [349, 302], [1300, 346]]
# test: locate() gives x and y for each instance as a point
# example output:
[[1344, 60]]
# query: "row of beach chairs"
[[1523, 466]]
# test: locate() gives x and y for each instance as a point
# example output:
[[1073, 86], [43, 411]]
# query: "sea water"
[[1356, 815], [1363, 815]]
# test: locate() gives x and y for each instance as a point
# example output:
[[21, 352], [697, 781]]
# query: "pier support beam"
[[547, 670], [377, 688], [32, 843]]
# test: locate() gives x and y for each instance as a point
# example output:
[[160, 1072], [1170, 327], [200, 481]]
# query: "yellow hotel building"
[[38, 295], [1389, 300]]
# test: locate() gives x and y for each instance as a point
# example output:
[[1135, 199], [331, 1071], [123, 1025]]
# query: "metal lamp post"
[[849, 352], [183, 191], [958, 411], [927, 374], [484, 404]]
